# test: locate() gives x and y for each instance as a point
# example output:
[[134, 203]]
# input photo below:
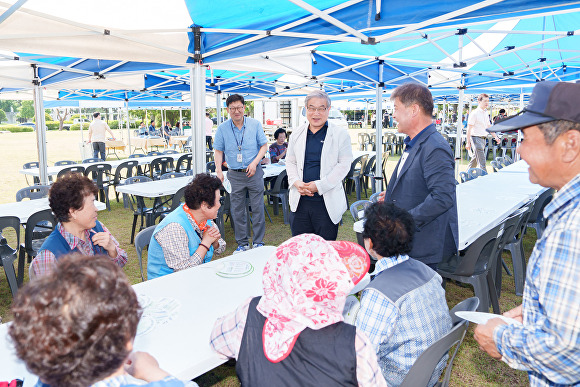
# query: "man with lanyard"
[[242, 141], [477, 124], [547, 342], [423, 181]]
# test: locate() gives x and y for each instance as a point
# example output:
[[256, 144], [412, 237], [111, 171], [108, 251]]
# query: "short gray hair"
[[317, 94], [552, 129]]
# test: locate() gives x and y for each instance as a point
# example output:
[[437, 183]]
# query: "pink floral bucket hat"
[[306, 282]]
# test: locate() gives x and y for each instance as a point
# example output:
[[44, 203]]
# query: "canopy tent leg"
[[180, 122], [459, 129], [218, 106], [197, 90], [128, 127], [40, 130], [378, 179]]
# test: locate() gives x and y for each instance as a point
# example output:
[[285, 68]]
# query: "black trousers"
[[99, 147], [311, 217], [208, 141]]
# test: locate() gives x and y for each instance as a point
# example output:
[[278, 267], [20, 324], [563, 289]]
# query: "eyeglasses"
[[237, 109], [312, 109]]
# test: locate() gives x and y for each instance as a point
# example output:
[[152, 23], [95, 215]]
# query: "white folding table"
[[25, 208], [181, 345]]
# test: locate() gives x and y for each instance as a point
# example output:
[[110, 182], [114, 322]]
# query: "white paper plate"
[[235, 269], [482, 318]]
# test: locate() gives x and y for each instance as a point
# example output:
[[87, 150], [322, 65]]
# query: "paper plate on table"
[[235, 269], [146, 325], [482, 318]]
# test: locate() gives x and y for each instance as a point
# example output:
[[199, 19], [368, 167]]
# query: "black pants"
[[208, 140], [99, 147], [311, 217]]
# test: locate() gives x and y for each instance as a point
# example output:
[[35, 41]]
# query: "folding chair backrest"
[[127, 198], [141, 242], [374, 197], [38, 226], [92, 160], [125, 170], [358, 208], [66, 171], [370, 166], [539, 204], [154, 153], [171, 175], [97, 173], [30, 165], [170, 152], [183, 163], [475, 173], [161, 165], [32, 192], [7, 252], [137, 155], [210, 167], [278, 184], [64, 162]]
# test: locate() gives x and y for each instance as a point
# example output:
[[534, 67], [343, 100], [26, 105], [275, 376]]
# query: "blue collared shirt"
[[410, 142], [547, 345], [251, 138]]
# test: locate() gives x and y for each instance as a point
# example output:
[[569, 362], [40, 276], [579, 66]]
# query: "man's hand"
[[219, 174], [515, 313], [104, 240], [484, 336], [382, 196], [311, 187], [468, 144], [302, 188], [142, 365], [251, 170]]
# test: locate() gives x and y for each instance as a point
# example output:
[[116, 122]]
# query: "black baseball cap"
[[549, 101]]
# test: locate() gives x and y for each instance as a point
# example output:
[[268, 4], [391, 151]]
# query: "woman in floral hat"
[[295, 334]]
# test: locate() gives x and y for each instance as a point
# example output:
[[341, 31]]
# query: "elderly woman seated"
[[295, 335], [76, 326], [72, 200], [187, 237]]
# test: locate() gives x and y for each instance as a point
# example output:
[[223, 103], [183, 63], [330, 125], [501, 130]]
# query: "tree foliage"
[[3, 116]]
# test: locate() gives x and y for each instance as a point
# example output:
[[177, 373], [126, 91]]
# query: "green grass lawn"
[[471, 368]]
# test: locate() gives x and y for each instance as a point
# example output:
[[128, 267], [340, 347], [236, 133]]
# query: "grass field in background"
[[471, 368]]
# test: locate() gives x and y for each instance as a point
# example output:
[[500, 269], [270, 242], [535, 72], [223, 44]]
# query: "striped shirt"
[[45, 261], [547, 345], [226, 340]]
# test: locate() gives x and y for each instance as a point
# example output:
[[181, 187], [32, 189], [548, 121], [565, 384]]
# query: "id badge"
[[239, 158]]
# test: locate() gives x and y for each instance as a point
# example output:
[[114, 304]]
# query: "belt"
[[238, 170]]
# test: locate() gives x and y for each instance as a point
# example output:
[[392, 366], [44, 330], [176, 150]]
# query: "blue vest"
[[156, 264], [416, 291], [323, 357], [56, 244]]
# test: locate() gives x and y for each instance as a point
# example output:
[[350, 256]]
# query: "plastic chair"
[[64, 162], [66, 171], [363, 141], [170, 152], [8, 254], [155, 153], [141, 242], [369, 174], [38, 227], [137, 204], [183, 163], [279, 192], [515, 246], [508, 143], [33, 192], [536, 220], [374, 197], [507, 160], [357, 209], [224, 211], [136, 155], [474, 173], [99, 173], [419, 374], [354, 175], [160, 166], [476, 265], [210, 167], [189, 173], [93, 160], [464, 177], [171, 175], [30, 165], [123, 172], [496, 166]]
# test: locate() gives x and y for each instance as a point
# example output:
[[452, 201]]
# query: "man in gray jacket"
[[318, 159]]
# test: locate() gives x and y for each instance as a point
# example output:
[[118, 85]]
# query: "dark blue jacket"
[[426, 188], [56, 244]]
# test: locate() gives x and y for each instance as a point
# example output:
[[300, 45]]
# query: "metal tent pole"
[[40, 129], [128, 127], [197, 90], [459, 129], [180, 122], [378, 179], [218, 106]]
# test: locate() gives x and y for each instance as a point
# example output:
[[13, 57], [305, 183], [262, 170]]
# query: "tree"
[[26, 110], [3, 116], [61, 117]]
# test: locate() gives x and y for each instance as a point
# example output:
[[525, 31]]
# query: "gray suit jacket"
[[426, 188]]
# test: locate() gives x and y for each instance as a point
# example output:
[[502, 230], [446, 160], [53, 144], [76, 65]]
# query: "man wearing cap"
[[476, 133], [547, 345]]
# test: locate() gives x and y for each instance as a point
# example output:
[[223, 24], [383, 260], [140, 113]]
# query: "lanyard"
[[239, 144]]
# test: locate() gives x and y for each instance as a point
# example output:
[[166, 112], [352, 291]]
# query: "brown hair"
[[201, 189], [72, 327], [69, 192]]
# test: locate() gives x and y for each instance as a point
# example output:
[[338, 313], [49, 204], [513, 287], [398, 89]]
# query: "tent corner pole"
[[40, 131]]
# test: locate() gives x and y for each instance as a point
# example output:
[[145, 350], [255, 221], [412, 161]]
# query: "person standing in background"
[[208, 129], [476, 133], [97, 130]]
